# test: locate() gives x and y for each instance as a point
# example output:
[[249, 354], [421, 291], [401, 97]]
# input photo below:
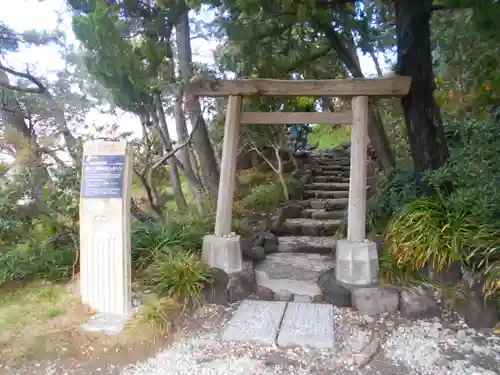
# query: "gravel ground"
[[387, 345]]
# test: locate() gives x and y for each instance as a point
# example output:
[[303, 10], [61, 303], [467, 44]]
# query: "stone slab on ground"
[[256, 322], [107, 324], [306, 244], [296, 273], [307, 325]]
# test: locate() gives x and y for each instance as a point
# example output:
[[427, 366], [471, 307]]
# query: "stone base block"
[[223, 253], [356, 262]]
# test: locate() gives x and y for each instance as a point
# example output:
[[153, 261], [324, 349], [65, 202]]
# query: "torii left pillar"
[[357, 257], [222, 249]]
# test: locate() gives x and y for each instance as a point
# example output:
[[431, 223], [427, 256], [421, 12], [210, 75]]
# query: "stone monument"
[[105, 258]]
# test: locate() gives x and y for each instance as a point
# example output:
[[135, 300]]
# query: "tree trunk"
[[422, 114], [201, 139], [376, 131], [160, 121], [184, 156]]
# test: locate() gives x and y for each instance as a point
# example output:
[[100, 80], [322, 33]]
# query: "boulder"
[[216, 289], [416, 303], [333, 291], [478, 312], [254, 253], [375, 300], [241, 284], [263, 293]]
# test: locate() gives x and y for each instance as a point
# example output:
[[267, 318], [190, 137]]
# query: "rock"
[[254, 253], [479, 314], [375, 300], [299, 298], [246, 244], [461, 335], [216, 290], [291, 211], [270, 243], [278, 220], [283, 295], [416, 303], [334, 292], [259, 240], [448, 277], [264, 293], [241, 284]]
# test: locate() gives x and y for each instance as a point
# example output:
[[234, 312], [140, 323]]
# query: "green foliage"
[[461, 224], [268, 196], [39, 242], [422, 232], [393, 191], [394, 273], [327, 136], [264, 197], [150, 240], [178, 275]]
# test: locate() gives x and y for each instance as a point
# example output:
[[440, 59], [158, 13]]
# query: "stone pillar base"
[[356, 262], [223, 253]]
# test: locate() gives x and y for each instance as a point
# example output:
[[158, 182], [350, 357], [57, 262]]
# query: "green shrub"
[[421, 233], [39, 241], [266, 197], [182, 235], [395, 273], [397, 189], [178, 275], [461, 224]]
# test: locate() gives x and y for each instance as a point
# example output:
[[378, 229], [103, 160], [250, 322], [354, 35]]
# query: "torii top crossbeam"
[[379, 87]]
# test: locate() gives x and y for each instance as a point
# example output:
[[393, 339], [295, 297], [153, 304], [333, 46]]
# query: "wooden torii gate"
[[221, 250]]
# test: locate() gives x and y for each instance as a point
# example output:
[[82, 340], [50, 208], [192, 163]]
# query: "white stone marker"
[[105, 259]]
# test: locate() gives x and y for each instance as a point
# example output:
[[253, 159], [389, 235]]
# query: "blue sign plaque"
[[103, 176]]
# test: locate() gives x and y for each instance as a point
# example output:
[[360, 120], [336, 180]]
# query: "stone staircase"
[[306, 244]]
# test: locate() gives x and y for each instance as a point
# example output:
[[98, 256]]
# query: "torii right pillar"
[[356, 257]]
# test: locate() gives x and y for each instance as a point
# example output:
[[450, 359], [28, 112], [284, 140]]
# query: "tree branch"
[[40, 87]]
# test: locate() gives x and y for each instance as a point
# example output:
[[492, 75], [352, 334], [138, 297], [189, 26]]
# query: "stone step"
[[288, 274], [323, 204], [328, 215], [322, 194], [306, 244], [309, 227], [329, 204], [321, 214], [332, 173], [328, 186], [330, 179], [334, 167]]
